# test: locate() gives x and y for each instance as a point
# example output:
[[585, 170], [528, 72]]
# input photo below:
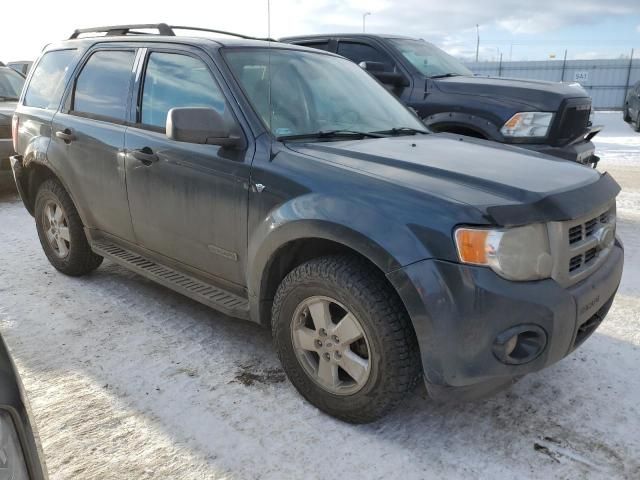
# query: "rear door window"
[[321, 45], [102, 88], [10, 84], [49, 79], [360, 52], [175, 80]]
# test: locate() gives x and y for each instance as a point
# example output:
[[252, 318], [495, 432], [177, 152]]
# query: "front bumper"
[[6, 148], [6, 176], [581, 150], [458, 311]]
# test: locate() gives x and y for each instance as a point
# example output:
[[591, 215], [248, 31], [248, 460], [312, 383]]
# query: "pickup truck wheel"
[[344, 338], [61, 232]]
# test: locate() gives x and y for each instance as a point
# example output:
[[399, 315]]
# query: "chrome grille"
[[579, 246]]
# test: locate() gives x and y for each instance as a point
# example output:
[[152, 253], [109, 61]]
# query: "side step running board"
[[198, 290]]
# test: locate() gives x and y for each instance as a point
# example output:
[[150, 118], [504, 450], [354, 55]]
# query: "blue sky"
[[607, 37], [537, 29]]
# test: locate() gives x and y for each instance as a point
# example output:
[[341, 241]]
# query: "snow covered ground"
[[128, 380]]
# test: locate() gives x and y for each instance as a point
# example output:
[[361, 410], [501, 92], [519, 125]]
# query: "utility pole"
[[268, 18], [477, 41], [564, 65], [626, 89], [364, 17]]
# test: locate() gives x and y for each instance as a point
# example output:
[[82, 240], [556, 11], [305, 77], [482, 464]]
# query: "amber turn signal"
[[472, 245]]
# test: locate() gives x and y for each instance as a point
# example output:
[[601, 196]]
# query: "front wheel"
[[61, 231], [344, 338]]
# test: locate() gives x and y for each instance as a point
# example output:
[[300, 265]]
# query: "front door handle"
[[66, 135], [144, 155]]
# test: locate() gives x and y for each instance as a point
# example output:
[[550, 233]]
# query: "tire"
[[625, 114], [388, 344], [61, 231]]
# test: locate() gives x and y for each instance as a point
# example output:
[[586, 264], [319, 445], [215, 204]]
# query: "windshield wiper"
[[401, 131], [330, 134], [445, 75], [8, 99]]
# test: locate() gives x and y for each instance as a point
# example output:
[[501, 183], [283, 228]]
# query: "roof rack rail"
[[163, 29]]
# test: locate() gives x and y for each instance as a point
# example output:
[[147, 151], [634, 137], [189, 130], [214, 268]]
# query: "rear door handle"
[[144, 155], [66, 135]]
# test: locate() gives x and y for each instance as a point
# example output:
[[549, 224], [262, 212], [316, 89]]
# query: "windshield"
[[429, 59], [10, 84], [312, 92]]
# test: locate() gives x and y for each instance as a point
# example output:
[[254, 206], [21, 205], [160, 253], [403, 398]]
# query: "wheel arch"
[[464, 124], [321, 239], [287, 257], [33, 172]]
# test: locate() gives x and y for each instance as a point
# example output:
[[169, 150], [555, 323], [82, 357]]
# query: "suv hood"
[[540, 94], [463, 170]]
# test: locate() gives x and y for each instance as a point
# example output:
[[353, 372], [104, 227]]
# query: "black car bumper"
[[6, 176], [460, 314], [581, 150]]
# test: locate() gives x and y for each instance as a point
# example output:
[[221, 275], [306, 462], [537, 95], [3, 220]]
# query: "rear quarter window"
[[49, 79]]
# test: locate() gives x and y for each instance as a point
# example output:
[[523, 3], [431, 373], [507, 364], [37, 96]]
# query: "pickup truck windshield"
[[10, 84], [313, 93], [429, 59]]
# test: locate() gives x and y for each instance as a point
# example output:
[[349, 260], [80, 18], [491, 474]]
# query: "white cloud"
[[431, 19]]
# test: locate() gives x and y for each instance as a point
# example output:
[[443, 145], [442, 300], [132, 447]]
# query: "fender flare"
[[490, 130], [35, 154], [310, 217]]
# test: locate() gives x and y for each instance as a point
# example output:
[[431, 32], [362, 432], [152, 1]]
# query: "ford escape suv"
[[285, 185], [548, 117]]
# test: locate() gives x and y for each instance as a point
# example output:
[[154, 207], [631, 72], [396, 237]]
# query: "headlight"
[[527, 124], [12, 465], [520, 253]]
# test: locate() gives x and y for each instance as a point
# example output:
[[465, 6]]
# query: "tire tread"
[[389, 318]]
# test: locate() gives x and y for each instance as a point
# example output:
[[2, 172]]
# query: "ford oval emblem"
[[605, 236]]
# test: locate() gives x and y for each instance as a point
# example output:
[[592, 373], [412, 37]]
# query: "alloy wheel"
[[56, 228], [331, 345]]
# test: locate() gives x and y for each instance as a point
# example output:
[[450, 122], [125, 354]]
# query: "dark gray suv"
[[11, 83], [631, 111], [286, 186]]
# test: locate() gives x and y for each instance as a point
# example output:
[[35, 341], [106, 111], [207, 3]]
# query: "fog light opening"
[[520, 344]]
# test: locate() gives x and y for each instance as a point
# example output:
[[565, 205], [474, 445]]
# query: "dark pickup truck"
[[547, 117], [286, 186]]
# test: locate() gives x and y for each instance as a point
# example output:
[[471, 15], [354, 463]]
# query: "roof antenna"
[[269, 80]]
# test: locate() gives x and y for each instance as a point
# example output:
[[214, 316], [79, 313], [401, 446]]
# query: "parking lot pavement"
[[129, 380]]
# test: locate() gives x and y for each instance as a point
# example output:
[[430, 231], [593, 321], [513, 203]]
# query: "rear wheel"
[[61, 231], [344, 338]]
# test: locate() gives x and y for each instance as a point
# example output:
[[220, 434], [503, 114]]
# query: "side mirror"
[[377, 69], [201, 125]]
